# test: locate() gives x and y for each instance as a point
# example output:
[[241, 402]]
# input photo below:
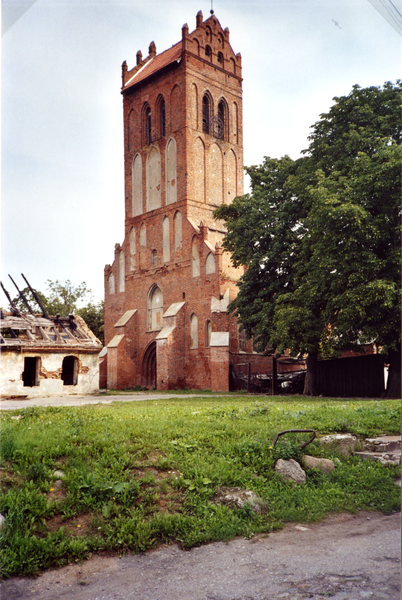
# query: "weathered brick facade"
[[168, 288]]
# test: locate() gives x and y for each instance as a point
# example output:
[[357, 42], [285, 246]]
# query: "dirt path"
[[345, 557]]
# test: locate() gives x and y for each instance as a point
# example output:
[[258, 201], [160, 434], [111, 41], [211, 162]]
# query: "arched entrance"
[[149, 367]]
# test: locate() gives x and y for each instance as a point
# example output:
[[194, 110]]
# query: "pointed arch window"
[[147, 125], [155, 309], [193, 331], [222, 120], [206, 112], [121, 271], [162, 118], [208, 332]]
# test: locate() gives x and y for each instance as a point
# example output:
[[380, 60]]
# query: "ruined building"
[[170, 283], [45, 356]]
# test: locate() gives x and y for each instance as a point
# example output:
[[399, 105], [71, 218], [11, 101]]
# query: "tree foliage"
[[320, 236]]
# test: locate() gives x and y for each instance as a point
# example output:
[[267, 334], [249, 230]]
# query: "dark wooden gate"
[[359, 376]]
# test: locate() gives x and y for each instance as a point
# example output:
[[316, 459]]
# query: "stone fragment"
[[58, 483], [386, 458], [59, 474], [345, 443], [385, 443], [323, 464], [236, 497], [290, 470], [2, 521]]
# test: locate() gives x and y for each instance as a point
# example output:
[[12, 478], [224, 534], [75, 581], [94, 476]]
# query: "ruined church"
[[167, 291]]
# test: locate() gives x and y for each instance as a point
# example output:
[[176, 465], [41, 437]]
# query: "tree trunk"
[[310, 380], [394, 375]]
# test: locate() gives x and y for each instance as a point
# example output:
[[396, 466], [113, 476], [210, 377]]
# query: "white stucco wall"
[[50, 383]]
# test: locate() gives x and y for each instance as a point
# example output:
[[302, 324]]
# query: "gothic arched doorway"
[[149, 366]]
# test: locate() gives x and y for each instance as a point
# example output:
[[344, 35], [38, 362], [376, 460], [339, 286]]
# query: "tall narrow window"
[[155, 309], [222, 120], [193, 331], [111, 284], [154, 258], [195, 261], [148, 130], [178, 235], [132, 248], [137, 207], [171, 174], [208, 331], [205, 114], [162, 118], [166, 240], [121, 271], [208, 52]]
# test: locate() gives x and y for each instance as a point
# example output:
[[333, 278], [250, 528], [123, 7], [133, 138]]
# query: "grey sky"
[[62, 128]]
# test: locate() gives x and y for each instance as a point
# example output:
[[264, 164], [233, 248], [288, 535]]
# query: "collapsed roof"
[[55, 334]]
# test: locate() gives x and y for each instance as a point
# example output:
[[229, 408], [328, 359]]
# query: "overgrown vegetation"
[[142, 473]]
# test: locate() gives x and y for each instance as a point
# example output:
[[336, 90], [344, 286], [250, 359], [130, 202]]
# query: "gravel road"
[[345, 557]]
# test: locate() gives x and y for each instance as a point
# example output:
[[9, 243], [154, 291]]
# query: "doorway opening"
[[149, 367], [30, 375], [69, 373]]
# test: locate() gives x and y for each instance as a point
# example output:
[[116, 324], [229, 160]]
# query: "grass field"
[[138, 474]]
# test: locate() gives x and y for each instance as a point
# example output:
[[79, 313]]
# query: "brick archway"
[[149, 367]]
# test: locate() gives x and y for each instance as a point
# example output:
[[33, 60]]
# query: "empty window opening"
[[221, 120], [154, 258], [69, 373], [162, 118], [205, 114], [148, 135], [208, 331], [220, 58], [30, 376], [208, 52]]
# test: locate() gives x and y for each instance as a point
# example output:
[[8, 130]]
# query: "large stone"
[[236, 497], [59, 474], [345, 443], [290, 470], [2, 521], [323, 464]]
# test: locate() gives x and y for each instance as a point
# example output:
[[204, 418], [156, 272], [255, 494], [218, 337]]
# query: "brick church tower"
[[167, 291]]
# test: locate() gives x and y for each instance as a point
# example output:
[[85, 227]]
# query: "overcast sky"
[[62, 127]]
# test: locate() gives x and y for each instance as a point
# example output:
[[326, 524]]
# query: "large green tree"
[[320, 237]]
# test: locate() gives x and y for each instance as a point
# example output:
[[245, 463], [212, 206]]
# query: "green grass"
[[138, 474]]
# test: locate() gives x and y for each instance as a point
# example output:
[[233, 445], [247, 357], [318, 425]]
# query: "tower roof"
[[207, 40], [155, 64]]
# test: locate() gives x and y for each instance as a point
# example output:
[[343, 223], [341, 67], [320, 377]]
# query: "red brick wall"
[[204, 179]]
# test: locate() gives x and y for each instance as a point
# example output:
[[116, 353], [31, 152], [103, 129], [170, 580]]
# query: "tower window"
[[148, 130], [162, 117], [205, 114], [154, 258], [208, 52], [220, 58]]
